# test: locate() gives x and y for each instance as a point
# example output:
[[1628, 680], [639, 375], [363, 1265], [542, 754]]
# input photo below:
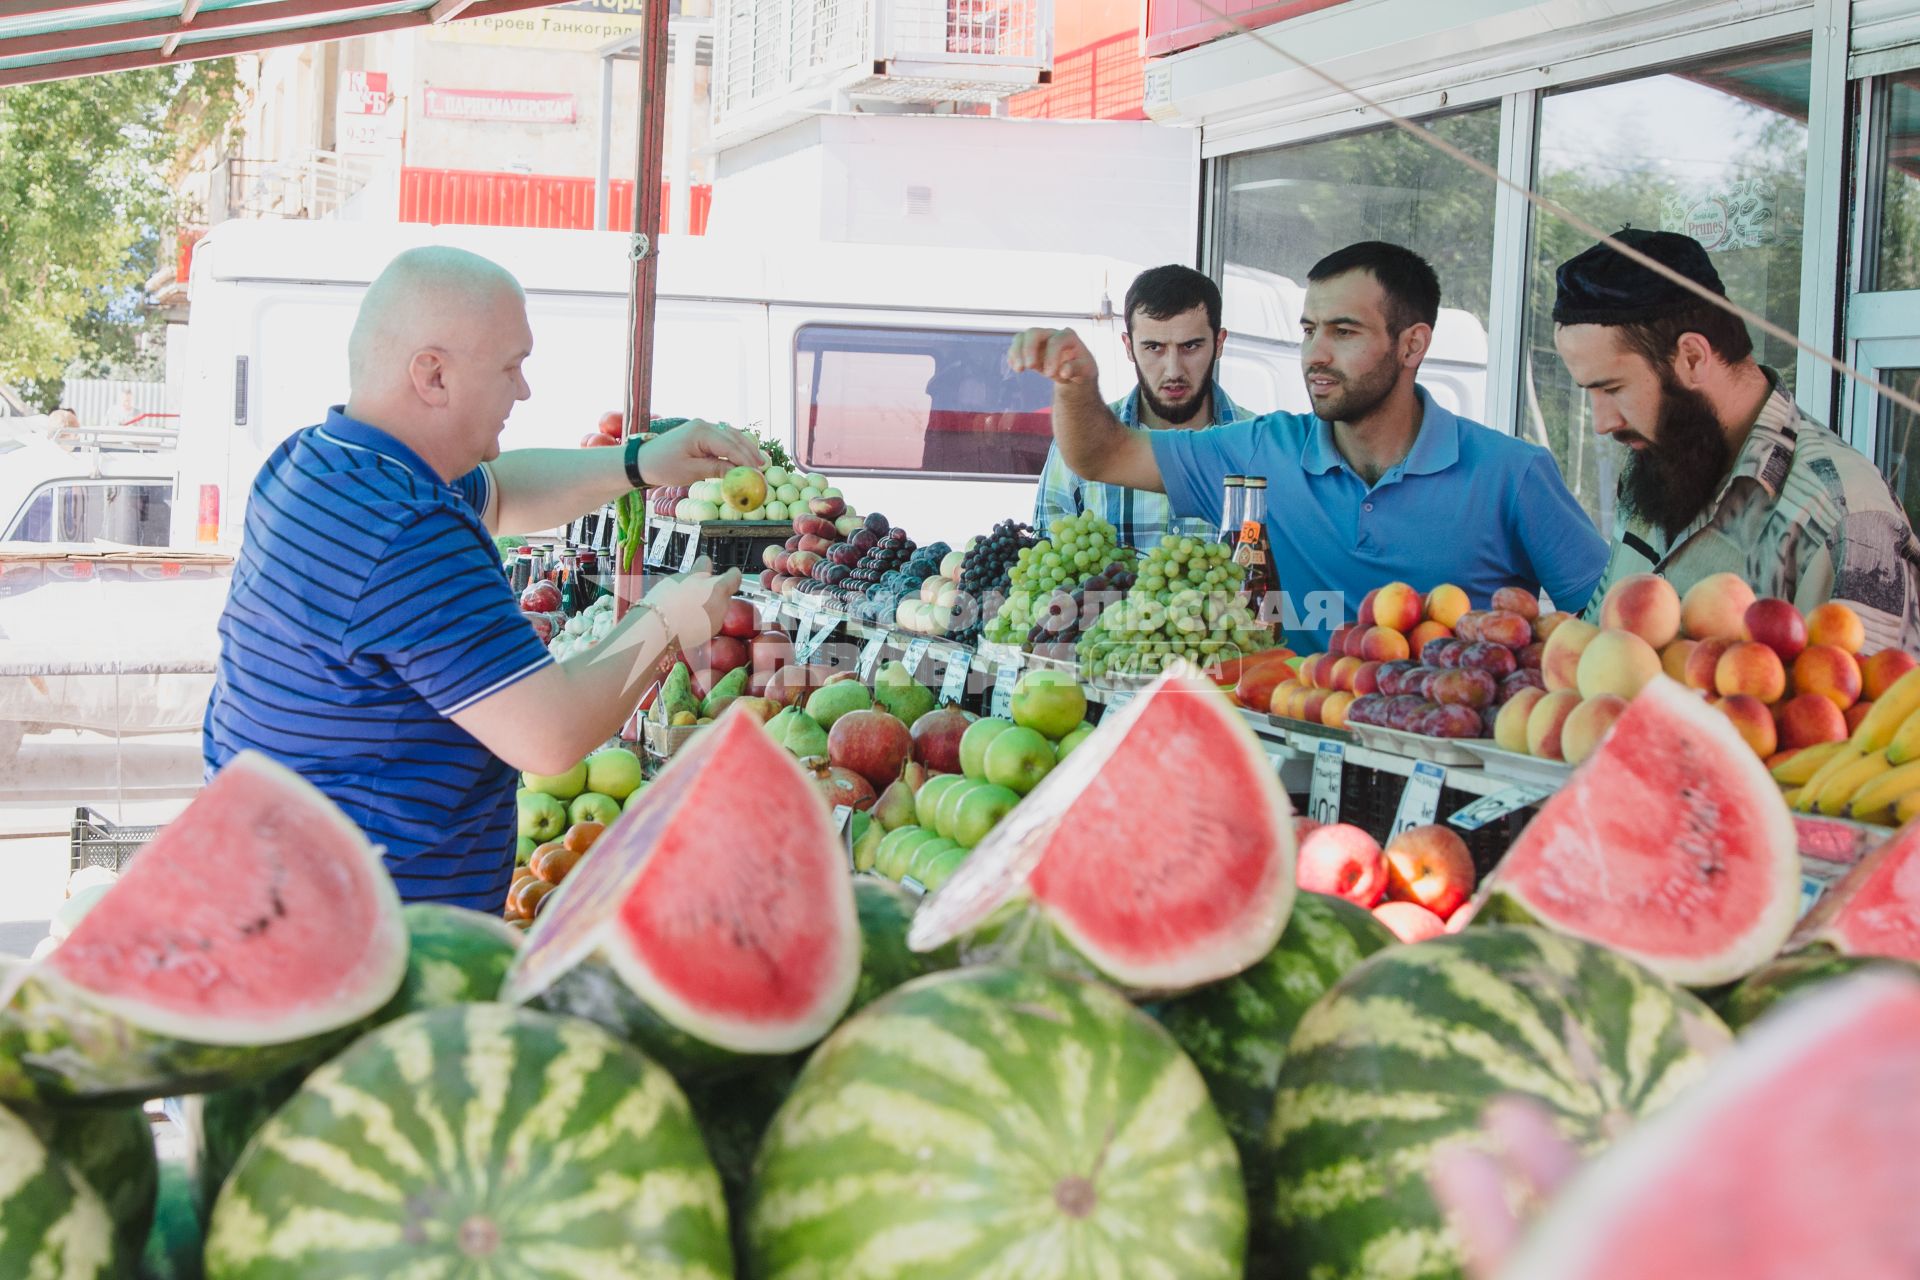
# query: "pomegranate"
[[936, 738], [839, 786], [871, 743]]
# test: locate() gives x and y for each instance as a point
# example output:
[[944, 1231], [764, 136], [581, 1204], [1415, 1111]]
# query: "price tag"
[[1323, 798], [1005, 676], [954, 686], [870, 656], [691, 554], [657, 553], [913, 886], [1420, 802], [1494, 807], [814, 632], [1118, 698], [916, 654], [1810, 890], [842, 825]]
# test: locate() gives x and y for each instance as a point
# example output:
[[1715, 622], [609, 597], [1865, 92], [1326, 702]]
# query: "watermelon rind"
[[886, 912], [1565, 849], [476, 1140], [1824, 1190], [173, 1247], [52, 1224], [998, 1122], [1402, 1056], [1875, 908], [1795, 974], [112, 1150], [1009, 872]]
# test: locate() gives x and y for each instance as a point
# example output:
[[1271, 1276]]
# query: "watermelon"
[[454, 956], [1161, 851], [1793, 974], [174, 1245], [52, 1224], [1794, 1157], [256, 928], [1671, 844], [1403, 1055], [713, 920], [1875, 908], [998, 1122], [1236, 1031], [476, 1140], [111, 1149], [886, 912]]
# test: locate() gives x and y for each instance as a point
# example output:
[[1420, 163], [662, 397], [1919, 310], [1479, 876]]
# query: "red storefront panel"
[[1181, 24], [476, 198], [1104, 80]]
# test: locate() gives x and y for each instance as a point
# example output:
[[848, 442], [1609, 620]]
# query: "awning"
[[52, 42]]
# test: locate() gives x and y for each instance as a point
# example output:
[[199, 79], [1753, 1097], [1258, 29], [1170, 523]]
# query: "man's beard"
[[1181, 414], [1353, 399], [1671, 481]]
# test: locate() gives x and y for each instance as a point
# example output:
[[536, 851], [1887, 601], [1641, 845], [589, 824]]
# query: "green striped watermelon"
[[998, 1122], [1236, 1031], [1794, 973], [470, 1142], [111, 1148], [52, 1225], [1404, 1054], [886, 912], [174, 1246]]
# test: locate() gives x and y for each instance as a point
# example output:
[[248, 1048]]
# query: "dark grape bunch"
[[1068, 615], [985, 575]]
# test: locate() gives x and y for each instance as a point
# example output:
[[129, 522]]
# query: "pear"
[[894, 808]]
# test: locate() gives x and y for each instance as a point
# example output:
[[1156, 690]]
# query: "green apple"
[[542, 817], [1049, 702], [614, 772], [939, 868], [1018, 759], [1073, 740], [591, 806], [926, 801], [633, 799], [523, 850], [947, 815], [927, 855], [974, 743], [896, 849], [561, 786], [979, 811]]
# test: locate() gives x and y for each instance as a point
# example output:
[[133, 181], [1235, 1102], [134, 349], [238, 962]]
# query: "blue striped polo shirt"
[[367, 606]]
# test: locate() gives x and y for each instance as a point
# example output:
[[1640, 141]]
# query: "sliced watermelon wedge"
[[714, 918], [1793, 1156], [1671, 845], [256, 926], [1160, 851], [1875, 909]]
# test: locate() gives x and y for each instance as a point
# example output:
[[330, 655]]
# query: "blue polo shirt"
[[1467, 505], [367, 606]]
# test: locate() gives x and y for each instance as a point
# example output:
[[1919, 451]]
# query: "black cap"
[[1604, 286]]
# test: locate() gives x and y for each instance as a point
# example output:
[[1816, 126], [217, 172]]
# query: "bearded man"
[[1726, 474], [1379, 483]]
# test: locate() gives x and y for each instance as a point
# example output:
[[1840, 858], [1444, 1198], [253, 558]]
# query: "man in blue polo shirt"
[[1378, 484], [370, 641]]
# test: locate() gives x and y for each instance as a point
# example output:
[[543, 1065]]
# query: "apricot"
[[1560, 660], [1752, 668], [1616, 662], [1714, 607], [1365, 616], [1703, 661], [1646, 605], [1381, 643], [1446, 603], [1776, 624], [1367, 679], [1587, 724], [1398, 606], [1754, 721], [1334, 713], [1424, 634], [1808, 719], [1856, 713], [1673, 659], [1829, 671], [1878, 672], [1835, 624], [1340, 677]]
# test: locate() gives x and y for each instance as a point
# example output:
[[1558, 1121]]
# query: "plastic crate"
[[1370, 799], [728, 544], [97, 842]]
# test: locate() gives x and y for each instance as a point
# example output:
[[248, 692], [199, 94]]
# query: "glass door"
[[1885, 430]]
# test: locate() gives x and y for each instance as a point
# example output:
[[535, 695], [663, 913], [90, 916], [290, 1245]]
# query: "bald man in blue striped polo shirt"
[[370, 641]]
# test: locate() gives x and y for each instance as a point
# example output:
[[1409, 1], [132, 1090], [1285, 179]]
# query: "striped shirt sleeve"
[[437, 610], [476, 488]]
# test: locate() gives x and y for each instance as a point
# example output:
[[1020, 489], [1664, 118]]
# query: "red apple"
[[740, 619], [1343, 861], [1431, 866]]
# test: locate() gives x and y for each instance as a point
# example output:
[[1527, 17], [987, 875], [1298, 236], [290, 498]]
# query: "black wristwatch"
[[632, 456]]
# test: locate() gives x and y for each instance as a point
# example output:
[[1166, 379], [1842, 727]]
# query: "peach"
[[1366, 679], [1704, 661], [1545, 625], [1340, 678], [1509, 629], [1365, 617], [1334, 713], [1430, 865], [1560, 660], [1424, 634], [1445, 604], [1399, 606], [1312, 704], [1382, 643], [1356, 638], [1752, 668], [1517, 600], [1714, 607], [1547, 722], [1284, 694], [1587, 724], [1510, 726], [1646, 605], [1754, 721], [1343, 861], [1829, 671], [1835, 624], [1808, 719], [1776, 624], [1617, 662], [1877, 673], [1409, 921], [1673, 659], [1856, 713]]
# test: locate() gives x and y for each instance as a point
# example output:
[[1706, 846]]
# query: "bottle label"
[[1250, 533]]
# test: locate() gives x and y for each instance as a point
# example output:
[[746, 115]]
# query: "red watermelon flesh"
[[722, 900], [1792, 1157], [1875, 909], [260, 915], [1671, 845], [1161, 848]]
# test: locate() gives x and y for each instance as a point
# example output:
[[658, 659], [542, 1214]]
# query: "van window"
[[881, 399], [131, 512]]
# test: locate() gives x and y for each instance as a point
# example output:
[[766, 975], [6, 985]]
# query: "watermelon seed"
[[479, 1237]]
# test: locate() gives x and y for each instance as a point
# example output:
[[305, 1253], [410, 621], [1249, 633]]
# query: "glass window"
[[1718, 152], [35, 521], [135, 513], [878, 399], [1283, 210], [1899, 436], [1895, 262]]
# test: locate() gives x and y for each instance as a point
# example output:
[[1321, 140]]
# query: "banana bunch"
[[1874, 776]]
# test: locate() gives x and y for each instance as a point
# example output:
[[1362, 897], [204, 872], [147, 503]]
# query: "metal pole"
[[603, 171]]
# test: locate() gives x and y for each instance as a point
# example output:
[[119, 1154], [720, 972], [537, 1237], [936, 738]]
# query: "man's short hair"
[[1412, 288], [1172, 290]]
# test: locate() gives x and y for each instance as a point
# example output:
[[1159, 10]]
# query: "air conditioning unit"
[[778, 60]]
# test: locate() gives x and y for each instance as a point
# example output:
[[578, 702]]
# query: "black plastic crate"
[[728, 544], [97, 842]]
